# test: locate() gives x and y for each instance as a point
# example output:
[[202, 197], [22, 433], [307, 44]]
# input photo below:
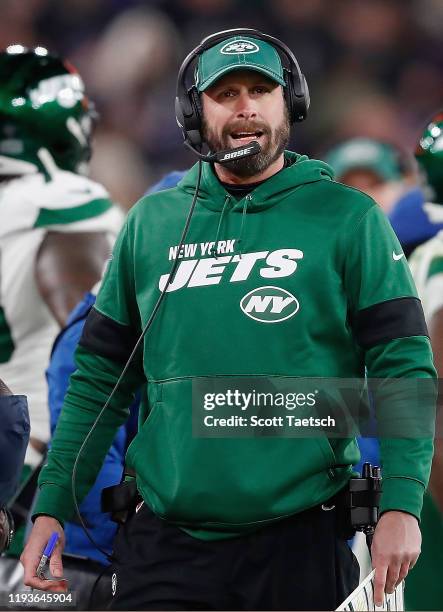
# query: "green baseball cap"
[[238, 53], [365, 154]]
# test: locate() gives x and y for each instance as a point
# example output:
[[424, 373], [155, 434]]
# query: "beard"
[[272, 143]]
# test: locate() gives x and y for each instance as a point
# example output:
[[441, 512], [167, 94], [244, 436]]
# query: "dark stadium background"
[[374, 68]]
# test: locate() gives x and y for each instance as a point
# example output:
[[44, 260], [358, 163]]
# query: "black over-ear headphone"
[[188, 110]]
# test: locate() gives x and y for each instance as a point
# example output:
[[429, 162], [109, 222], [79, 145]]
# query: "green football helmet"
[[43, 109], [429, 154]]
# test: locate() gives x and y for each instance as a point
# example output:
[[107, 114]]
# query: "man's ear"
[[203, 101]]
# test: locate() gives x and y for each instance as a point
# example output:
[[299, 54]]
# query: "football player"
[[425, 588], [56, 224]]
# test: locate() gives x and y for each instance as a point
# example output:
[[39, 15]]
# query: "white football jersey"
[[426, 264], [31, 206]]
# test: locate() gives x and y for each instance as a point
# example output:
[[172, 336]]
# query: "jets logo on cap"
[[239, 46]]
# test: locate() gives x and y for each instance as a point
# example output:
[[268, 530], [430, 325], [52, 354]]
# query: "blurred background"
[[374, 69]]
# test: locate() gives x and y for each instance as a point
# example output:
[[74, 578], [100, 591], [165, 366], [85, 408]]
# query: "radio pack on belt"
[[359, 503], [121, 499]]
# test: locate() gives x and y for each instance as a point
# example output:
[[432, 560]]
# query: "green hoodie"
[[327, 245]]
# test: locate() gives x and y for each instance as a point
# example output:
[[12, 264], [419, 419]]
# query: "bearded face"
[[239, 132]]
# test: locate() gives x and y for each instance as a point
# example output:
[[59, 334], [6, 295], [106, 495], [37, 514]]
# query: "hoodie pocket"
[[155, 398], [226, 481]]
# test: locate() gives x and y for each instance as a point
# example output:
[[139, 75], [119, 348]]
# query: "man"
[[379, 169], [425, 589], [242, 523], [56, 223], [14, 437], [418, 217]]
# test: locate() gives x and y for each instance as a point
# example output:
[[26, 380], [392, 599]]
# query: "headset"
[[188, 107]]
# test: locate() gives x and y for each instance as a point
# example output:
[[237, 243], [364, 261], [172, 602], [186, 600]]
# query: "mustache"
[[246, 126]]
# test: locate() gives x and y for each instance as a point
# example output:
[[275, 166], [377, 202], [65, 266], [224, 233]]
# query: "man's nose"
[[246, 107]]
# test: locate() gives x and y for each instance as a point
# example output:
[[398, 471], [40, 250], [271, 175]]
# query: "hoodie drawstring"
[[220, 221], [248, 198]]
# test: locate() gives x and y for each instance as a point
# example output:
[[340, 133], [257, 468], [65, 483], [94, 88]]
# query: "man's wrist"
[[401, 511], [34, 517]]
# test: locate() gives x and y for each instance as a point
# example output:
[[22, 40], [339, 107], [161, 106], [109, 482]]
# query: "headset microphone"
[[223, 157]]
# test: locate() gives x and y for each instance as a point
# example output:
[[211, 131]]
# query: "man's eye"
[[228, 94], [260, 89]]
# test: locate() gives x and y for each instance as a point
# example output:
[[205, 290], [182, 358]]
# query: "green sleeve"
[[388, 322], [407, 409], [90, 386]]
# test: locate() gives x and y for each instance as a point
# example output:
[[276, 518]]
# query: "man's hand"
[[395, 550], [44, 526]]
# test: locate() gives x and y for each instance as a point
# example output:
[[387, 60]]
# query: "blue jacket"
[[168, 181], [14, 438], [410, 221]]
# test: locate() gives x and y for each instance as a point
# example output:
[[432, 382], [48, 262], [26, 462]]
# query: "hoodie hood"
[[213, 195]]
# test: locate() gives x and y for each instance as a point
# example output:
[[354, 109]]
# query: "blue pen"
[[49, 549]]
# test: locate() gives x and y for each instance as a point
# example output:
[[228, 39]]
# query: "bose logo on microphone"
[[234, 154]]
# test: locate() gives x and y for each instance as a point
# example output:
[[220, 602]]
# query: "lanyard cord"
[[129, 361]]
